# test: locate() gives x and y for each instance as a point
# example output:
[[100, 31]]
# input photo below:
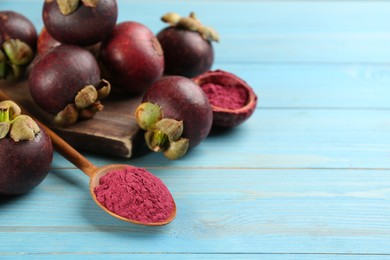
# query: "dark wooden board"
[[112, 131]]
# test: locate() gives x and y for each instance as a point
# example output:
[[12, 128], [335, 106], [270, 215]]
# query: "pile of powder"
[[230, 97], [136, 194]]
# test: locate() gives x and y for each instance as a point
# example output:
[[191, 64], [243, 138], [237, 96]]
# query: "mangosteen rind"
[[223, 116]]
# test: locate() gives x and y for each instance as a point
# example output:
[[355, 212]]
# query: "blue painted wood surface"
[[306, 177]]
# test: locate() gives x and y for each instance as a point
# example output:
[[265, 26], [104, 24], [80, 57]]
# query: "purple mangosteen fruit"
[[17, 44], [176, 115], [131, 57], [26, 151], [232, 99], [82, 23], [66, 82], [187, 45], [45, 42]]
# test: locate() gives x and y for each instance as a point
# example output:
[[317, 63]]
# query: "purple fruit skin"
[[132, 57], [186, 53], [16, 26], [181, 99], [24, 164], [58, 75], [86, 26]]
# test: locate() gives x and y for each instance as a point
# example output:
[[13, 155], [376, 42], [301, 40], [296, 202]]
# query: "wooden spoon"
[[94, 172]]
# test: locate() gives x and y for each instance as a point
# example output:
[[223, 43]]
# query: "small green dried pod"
[[23, 128], [156, 140], [4, 129], [66, 117], [177, 149], [147, 115], [171, 127], [9, 110], [86, 97], [191, 23], [104, 89], [67, 6], [18, 52], [171, 18]]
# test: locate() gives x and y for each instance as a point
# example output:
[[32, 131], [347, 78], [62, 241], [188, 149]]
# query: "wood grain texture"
[[112, 132], [306, 177]]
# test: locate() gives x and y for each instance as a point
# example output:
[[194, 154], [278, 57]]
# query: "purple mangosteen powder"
[[136, 194], [230, 97]]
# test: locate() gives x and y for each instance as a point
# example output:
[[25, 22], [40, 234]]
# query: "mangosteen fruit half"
[[26, 151], [232, 99], [176, 115], [131, 58], [82, 23], [17, 44], [66, 82], [187, 45]]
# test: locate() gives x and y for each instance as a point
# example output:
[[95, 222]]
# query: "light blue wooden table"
[[307, 177]]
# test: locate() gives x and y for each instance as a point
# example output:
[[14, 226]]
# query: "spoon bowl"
[[94, 172], [94, 182]]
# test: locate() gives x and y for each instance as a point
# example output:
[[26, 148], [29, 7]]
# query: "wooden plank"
[[112, 131], [253, 211]]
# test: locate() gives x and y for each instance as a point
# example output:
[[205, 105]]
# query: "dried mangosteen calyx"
[[191, 23], [86, 104], [147, 115], [18, 127], [69, 6], [18, 52], [86, 97], [158, 141], [68, 116], [14, 56], [172, 128], [177, 149], [90, 3], [8, 112], [162, 134], [23, 128]]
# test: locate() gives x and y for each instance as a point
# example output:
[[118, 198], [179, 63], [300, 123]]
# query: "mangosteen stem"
[[191, 23], [4, 114]]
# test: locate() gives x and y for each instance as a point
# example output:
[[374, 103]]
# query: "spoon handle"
[[61, 145]]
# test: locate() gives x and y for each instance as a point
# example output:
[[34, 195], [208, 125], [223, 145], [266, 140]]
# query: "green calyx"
[[86, 104], [191, 23], [69, 6], [12, 123], [15, 55], [162, 134]]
